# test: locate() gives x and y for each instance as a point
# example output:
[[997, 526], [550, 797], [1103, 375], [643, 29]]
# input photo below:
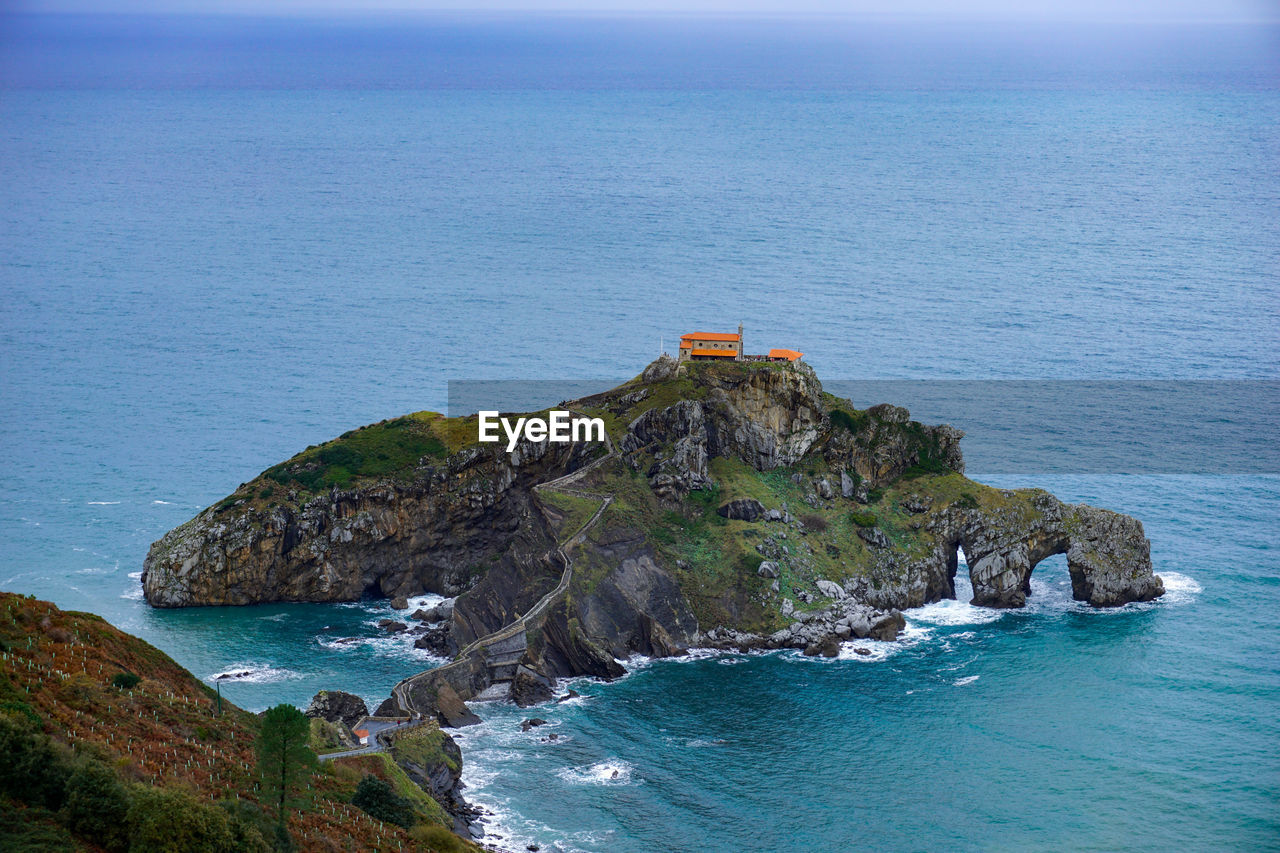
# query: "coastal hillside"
[[107, 744], [731, 503]]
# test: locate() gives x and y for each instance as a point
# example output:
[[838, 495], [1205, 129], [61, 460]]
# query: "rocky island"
[[731, 504]]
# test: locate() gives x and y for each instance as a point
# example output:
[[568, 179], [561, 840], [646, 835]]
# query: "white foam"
[[953, 612], [956, 611], [968, 679], [878, 650], [610, 772], [137, 576], [1178, 588], [704, 654], [254, 673], [163, 503], [103, 503]]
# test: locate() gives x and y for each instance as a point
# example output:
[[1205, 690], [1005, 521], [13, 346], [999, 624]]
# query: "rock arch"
[[1108, 554]]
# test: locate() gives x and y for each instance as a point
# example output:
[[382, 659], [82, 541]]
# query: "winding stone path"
[[504, 648]]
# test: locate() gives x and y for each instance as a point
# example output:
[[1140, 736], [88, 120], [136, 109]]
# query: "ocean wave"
[[610, 772], [390, 645], [513, 831], [871, 651], [102, 503], [968, 679], [953, 612], [254, 673], [163, 503], [1179, 588]]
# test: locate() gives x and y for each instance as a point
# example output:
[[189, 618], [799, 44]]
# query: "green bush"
[[875, 495], [708, 498], [32, 830], [125, 680], [32, 768], [97, 805], [862, 518], [18, 707], [251, 828], [966, 501], [850, 421], [377, 799], [163, 821]]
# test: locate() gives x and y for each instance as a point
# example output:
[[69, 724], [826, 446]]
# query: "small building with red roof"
[[727, 346]]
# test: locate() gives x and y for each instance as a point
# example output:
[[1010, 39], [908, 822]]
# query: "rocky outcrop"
[[432, 759], [337, 707], [767, 418], [743, 509], [432, 533], [817, 631], [1108, 555], [881, 509]]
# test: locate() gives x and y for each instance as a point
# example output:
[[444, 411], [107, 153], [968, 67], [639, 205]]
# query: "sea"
[[225, 239]]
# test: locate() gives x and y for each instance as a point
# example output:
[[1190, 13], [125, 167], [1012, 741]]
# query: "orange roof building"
[[711, 346], [727, 346]]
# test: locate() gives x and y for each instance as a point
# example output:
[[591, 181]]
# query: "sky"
[[1145, 11]]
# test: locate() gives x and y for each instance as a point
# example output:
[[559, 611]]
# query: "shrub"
[[162, 820], [32, 768], [966, 501], [125, 680], [862, 518], [251, 827], [18, 707], [707, 498], [814, 522], [97, 805], [850, 421], [875, 495], [377, 799], [31, 830]]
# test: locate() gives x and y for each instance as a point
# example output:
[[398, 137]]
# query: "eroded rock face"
[[766, 418], [433, 534], [442, 779], [337, 707]]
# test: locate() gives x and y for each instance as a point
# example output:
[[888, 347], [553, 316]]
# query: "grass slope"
[[56, 678]]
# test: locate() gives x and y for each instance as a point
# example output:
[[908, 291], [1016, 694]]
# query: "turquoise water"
[[197, 282]]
